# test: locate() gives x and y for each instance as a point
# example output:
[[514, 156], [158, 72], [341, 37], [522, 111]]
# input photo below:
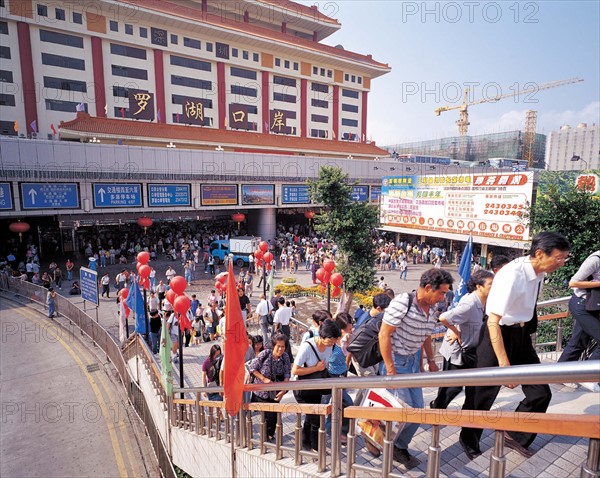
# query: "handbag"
[[592, 300], [314, 395]]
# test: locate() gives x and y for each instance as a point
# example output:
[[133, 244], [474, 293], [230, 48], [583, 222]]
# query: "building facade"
[[246, 66], [574, 148]]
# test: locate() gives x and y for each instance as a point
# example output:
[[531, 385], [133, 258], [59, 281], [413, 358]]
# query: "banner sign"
[[375, 193], [50, 195], [487, 205], [219, 195], [117, 195], [88, 282], [295, 194], [360, 193], [141, 105], [164, 195], [6, 200], [258, 194]]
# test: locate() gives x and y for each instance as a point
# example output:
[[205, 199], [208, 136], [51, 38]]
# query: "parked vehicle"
[[241, 247]]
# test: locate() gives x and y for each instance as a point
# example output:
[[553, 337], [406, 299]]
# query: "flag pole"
[[146, 315]]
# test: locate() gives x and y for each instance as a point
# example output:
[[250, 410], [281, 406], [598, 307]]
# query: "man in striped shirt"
[[403, 333]]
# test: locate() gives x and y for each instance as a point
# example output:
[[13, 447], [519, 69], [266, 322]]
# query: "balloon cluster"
[[144, 269], [263, 254], [326, 276], [220, 284]]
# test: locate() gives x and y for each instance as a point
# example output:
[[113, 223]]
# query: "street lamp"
[[579, 158]]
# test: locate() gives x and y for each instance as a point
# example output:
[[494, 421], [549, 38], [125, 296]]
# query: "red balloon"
[[326, 277], [336, 291], [258, 255], [143, 257], [263, 246], [127, 310], [337, 279], [171, 295], [145, 283], [218, 286], [182, 304], [222, 277], [319, 273], [178, 284], [268, 267], [144, 271], [124, 293], [328, 265], [138, 265], [268, 257]]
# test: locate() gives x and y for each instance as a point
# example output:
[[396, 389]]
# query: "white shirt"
[[283, 316], [263, 308], [514, 292]]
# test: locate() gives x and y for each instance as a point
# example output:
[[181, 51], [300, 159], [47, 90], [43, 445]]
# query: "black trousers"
[[270, 417], [520, 351], [447, 394]]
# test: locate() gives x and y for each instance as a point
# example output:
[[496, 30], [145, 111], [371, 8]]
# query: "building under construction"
[[477, 148]]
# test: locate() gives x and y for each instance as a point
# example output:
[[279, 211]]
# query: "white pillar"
[[261, 222]]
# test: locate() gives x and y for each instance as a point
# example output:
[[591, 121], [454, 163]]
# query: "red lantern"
[[178, 284], [268, 258], [137, 266], [336, 291], [258, 255], [144, 256], [171, 296], [182, 304], [222, 277], [263, 246], [124, 293], [326, 277], [144, 271], [320, 273], [337, 279], [19, 227], [239, 218], [328, 265], [144, 222], [309, 215]]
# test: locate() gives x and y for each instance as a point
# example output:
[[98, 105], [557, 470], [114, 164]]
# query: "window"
[[243, 73], [42, 10], [277, 62], [346, 77], [282, 80], [128, 51], [77, 18], [360, 80], [6, 76], [120, 92], [121, 112], [319, 103], [322, 71], [318, 133], [143, 32], [180, 100], [286, 64], [129, 72], [319, 118], [114, 26], [4, 28], [255, 57], [191, 43], [5, 52], [329, 73], [245, 55], [61, 39], [252, 109], [7, 100], [63, 61], [353, 79], [128, 29], [315, 70], [350, 93], [59, 13], [66, 106], [243, 91], [191, 82], [209, 47], [320, 88], [283, 97], [234, 52], [349, 108], [64, 84], [190, 63], [349, 122], [174, 39], [295, 66]]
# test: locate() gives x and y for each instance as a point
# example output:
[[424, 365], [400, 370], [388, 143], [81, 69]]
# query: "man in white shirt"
[[263, 309], [153, 302]]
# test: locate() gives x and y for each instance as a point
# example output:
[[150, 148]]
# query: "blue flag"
[[464, 270], [135, 302]]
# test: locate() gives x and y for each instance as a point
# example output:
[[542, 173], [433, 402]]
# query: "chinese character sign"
[[587, 183], [238, 116], [193, 112], [141, 105]]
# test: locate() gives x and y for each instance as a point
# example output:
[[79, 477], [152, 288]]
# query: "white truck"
[[241, 247]]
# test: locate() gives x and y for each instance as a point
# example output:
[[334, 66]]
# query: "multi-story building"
[[213, 69], [574, 148]]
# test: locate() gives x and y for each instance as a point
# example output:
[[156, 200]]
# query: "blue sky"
[[436, 47]]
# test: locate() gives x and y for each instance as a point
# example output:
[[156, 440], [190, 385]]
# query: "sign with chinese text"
[[141, 105], [588, 182], [219, 195], [375, 193], [88, 282], [278, 122], [158, 36], [117, 195], [258, 194], [167, 195], [295, 194], [6, 200], [487, 205], [222, 50], [238, 116], [193, 111], [360, 193], [49, 196]]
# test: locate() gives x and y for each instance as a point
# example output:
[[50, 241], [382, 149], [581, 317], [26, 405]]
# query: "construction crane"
[[463, 121]]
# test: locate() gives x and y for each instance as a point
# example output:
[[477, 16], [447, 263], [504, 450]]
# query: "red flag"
[[53, 128], [236, 344]]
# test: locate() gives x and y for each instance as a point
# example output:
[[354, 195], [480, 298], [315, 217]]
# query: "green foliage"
[[349, 224], [561, 207]]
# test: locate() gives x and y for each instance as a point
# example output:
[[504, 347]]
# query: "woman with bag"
[[311, 363], [271, 365], [585, 283]]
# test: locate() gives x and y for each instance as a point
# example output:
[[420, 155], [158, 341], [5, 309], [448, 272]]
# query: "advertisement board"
[[166, 195], [117, 195], [258, 194], [219, 195], [49, 195], [295, 194], [491, 205]]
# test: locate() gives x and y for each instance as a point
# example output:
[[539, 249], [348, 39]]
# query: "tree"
[[350, 224]]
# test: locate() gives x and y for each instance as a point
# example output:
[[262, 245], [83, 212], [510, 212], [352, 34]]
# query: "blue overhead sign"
[[6, 201], [161, 195], [375, 193], [295, 194], [117, 195], [49, 196], [88, 282], [360, 193]]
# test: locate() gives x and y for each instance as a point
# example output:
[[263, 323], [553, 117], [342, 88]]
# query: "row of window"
[[286, 64], [322, 72], [59, 14], [353, 78]]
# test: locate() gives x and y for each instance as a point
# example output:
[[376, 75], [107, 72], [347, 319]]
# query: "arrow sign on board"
[[33, 193], [101, 192]]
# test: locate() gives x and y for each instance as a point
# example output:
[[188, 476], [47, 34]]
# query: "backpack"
[[215, 369], [364, 343]]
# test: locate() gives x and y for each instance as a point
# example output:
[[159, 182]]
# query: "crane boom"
[[463, 121]]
